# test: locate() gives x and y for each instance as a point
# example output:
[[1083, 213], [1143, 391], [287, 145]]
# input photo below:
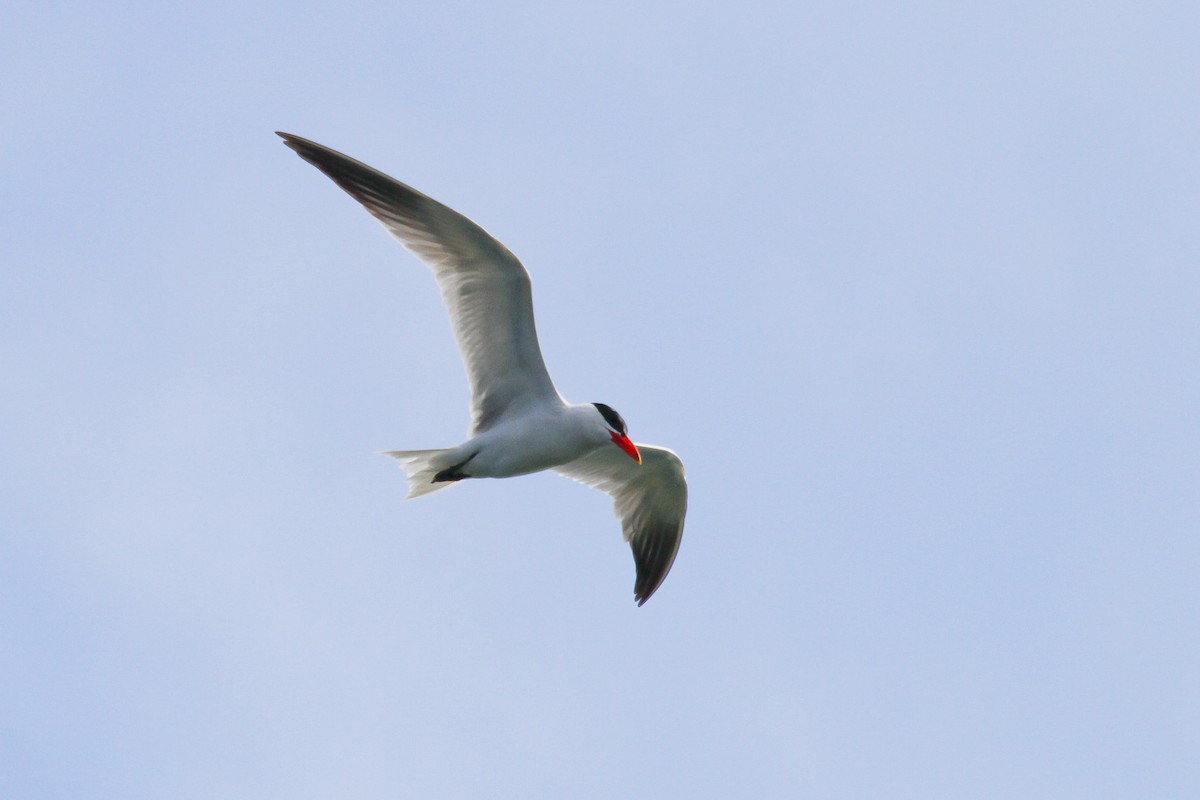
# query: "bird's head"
[[617, 432]]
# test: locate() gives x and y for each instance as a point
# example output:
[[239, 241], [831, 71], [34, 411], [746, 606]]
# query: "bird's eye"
[[612, 418]]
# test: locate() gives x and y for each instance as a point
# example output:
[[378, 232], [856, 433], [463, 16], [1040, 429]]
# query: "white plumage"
[[520, 422]]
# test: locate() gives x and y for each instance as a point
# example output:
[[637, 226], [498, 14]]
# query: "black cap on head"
[[612, 418]]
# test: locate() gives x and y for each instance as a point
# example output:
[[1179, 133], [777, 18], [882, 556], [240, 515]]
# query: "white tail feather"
[[421, 466]]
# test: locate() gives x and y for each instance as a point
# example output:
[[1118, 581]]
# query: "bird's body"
[[520, 422], [532, 440], [539, 439]]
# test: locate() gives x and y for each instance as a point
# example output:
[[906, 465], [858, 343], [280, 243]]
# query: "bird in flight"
[[520, 422]]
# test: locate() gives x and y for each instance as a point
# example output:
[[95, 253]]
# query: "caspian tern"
[[520, 422]]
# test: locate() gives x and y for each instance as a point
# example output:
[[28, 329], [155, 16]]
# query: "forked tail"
[[421, 467]]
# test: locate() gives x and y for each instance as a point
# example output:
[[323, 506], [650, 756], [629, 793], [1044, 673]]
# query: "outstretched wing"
[[650, 499], [484, 286]]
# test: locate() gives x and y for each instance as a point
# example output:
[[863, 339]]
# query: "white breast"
[[541, 439]]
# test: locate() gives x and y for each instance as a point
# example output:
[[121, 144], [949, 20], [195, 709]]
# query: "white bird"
[[521, 424]]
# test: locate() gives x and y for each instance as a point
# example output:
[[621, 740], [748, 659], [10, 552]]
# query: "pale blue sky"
[[913, 289]]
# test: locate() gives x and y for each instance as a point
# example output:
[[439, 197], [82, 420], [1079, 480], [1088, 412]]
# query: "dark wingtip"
[[647, 582], [641, 594], [299, 144], [307, 149], [654, 550]]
